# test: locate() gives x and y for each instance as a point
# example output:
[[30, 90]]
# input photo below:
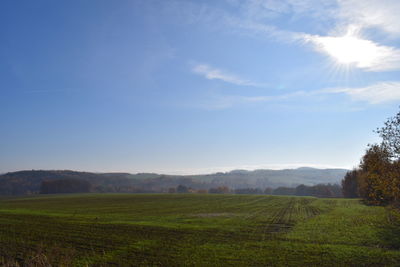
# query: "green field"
[[195, 230]]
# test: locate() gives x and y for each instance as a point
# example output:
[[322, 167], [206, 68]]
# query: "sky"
[[195, 86]]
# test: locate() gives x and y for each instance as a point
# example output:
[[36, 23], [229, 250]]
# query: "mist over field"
[[34, 182]]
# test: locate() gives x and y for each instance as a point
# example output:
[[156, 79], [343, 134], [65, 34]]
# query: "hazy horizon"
[[202, 171]]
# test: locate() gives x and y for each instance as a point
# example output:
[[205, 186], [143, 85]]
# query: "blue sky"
[[195, 86]]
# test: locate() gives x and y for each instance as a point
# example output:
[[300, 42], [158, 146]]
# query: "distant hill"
[[29, 182], [275, 178]]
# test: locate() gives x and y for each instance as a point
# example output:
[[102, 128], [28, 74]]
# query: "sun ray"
[[352, 51]]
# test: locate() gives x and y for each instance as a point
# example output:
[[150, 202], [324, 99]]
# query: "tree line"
[[73, 185], [30, 181], [319, 190], [377, 178]]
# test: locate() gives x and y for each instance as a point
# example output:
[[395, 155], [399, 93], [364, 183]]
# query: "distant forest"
[[301, 181]]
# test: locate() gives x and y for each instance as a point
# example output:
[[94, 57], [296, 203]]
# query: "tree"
[[68, 185], [248, 191], [182, 189], [284, 191], [268, 191], [302, 190], [219, 190], [350, 184], [375, 183], [378, 179], [172, 190], [390, 134]]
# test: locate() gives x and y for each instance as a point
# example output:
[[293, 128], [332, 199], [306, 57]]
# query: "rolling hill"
[[29, 182]]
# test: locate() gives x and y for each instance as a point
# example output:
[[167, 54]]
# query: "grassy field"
[[195, 230]]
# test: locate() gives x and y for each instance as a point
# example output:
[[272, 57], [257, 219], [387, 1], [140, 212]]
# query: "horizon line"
[[204, 171]]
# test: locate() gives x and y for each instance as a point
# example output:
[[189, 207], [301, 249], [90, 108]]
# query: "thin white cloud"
[[269, 9], [379, 14], [257, 18], [256, 29], [220, 102], [378, 93], [212, 73], [372, 56]]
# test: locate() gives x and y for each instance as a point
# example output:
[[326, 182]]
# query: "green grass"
[[195, 230]]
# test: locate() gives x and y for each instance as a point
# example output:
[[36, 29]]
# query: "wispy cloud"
[[267, 9], [256, 29], [257, 18], [361, 53], [379, 14], [378, 93], [374, 19], [212, 73], [219, 102]]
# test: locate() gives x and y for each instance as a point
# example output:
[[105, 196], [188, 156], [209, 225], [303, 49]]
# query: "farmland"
[[195, 230]]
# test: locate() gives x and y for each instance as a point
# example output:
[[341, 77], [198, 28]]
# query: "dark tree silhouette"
[[350, 184], [182, 189], [219, 190], [65, 186]]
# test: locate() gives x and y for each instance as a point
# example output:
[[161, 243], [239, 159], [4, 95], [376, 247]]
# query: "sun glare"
[[349, 49]]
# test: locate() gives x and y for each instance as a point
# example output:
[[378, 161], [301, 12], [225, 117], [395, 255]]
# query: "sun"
[[350, 50]]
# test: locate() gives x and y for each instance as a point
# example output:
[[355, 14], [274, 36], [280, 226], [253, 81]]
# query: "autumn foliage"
[[377, 180]]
